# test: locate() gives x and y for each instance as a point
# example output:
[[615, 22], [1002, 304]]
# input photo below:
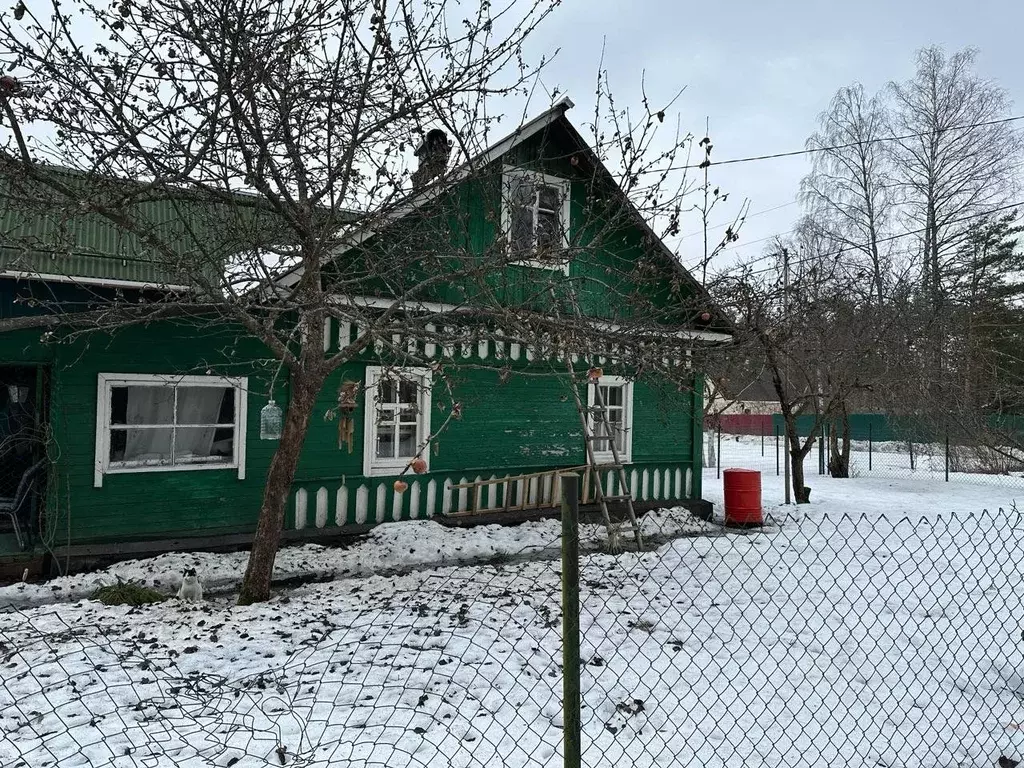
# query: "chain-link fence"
[[762, 446], [851, 640]]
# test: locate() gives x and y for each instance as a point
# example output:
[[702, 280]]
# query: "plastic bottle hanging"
[[270, 421]]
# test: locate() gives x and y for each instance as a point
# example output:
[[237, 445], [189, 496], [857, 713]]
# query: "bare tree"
[[954, 154], [849, 193], [281, 133], [800, 319]]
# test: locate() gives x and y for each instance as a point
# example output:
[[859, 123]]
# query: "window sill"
[[562, 267], [183, 468], [607, 458], [385, 470]]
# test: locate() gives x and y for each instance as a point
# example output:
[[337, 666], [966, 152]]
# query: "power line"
[[813, 150], [890, 238], [744, 243], [748, 216]]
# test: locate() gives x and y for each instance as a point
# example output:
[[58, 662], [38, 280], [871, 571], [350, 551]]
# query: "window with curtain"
[[162, 423], [535, 213], [397, 418]]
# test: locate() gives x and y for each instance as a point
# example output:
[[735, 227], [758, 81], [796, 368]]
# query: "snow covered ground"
[[389, 548], [878, 626], [875, 460]]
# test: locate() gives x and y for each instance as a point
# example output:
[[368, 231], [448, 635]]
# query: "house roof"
[[419, 197], [44, 235], [40, 239], [719, 322]]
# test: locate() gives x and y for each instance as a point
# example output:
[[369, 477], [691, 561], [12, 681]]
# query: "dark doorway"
[[23, 443]]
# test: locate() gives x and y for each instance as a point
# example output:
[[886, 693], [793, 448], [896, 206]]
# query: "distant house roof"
[[44, 236], [759, 390], [746, 388]]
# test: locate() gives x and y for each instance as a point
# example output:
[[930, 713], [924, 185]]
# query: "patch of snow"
[[388, 547]]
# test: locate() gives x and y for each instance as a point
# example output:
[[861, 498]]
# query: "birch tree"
[[954, 155], [848, 194]]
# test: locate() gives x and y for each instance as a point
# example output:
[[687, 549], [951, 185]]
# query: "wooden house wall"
[[526, 424]]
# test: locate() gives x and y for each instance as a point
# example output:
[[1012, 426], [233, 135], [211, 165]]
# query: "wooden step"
[[626, 530], [626, 527], [617, 498]]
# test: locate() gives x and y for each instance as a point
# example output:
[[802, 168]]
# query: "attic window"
[[535, 218]]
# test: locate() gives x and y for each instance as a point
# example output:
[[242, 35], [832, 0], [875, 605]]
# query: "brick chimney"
[[433, 153]]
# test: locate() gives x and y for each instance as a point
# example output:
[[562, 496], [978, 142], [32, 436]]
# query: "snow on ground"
[[388, 548], [880, 626], [879, 460]]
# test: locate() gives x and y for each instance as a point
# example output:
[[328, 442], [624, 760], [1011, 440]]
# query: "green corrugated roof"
[[41, 233], [48, 240]]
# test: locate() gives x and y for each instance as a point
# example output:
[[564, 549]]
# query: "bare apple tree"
[[803, 316], [281, 133]]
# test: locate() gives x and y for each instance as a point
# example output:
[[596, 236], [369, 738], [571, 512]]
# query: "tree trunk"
[[709, 450], [839, 447], [801, 493], [256, 584]]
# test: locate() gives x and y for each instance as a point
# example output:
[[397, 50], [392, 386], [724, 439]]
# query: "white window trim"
[[108, 380], [372, 466], [626, 455], [506, 216]]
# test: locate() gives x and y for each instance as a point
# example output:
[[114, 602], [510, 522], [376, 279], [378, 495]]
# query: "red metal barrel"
[[742, 497]]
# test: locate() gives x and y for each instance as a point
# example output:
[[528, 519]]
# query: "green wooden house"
[[149, 438]]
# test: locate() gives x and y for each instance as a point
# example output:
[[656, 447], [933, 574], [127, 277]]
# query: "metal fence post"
[[778, 469], [571, 692], [947, 455], [821, 452], [718, 470], [870, 446], [762, 442]]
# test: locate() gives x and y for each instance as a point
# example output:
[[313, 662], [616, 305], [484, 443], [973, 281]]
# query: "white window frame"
[[106, 381], [626, 454], [372, 466], [563, 215]]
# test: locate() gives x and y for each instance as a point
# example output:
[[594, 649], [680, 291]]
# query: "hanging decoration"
[[348, 396], [271, 419]]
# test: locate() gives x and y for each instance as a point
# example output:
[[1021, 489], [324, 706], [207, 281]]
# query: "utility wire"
[[744, 243], [890, 238], [813, 150], [748, 216]]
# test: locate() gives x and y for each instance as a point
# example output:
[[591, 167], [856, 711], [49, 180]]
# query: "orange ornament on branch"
[[401, 486], [594, 374], [418, 465]]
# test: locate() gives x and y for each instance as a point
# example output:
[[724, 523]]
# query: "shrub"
[[127, 593]]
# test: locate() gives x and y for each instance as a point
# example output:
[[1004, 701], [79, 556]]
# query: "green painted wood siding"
[[141, 505], [462, 227], [528, 423]]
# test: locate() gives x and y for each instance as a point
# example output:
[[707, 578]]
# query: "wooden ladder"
[[600, 412]]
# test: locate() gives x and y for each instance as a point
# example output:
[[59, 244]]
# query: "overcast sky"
[[763, 70]]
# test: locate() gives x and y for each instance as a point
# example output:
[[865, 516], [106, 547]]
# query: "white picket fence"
[[375, 500]]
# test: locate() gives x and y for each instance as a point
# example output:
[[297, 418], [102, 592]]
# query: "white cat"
[[191, 588]]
